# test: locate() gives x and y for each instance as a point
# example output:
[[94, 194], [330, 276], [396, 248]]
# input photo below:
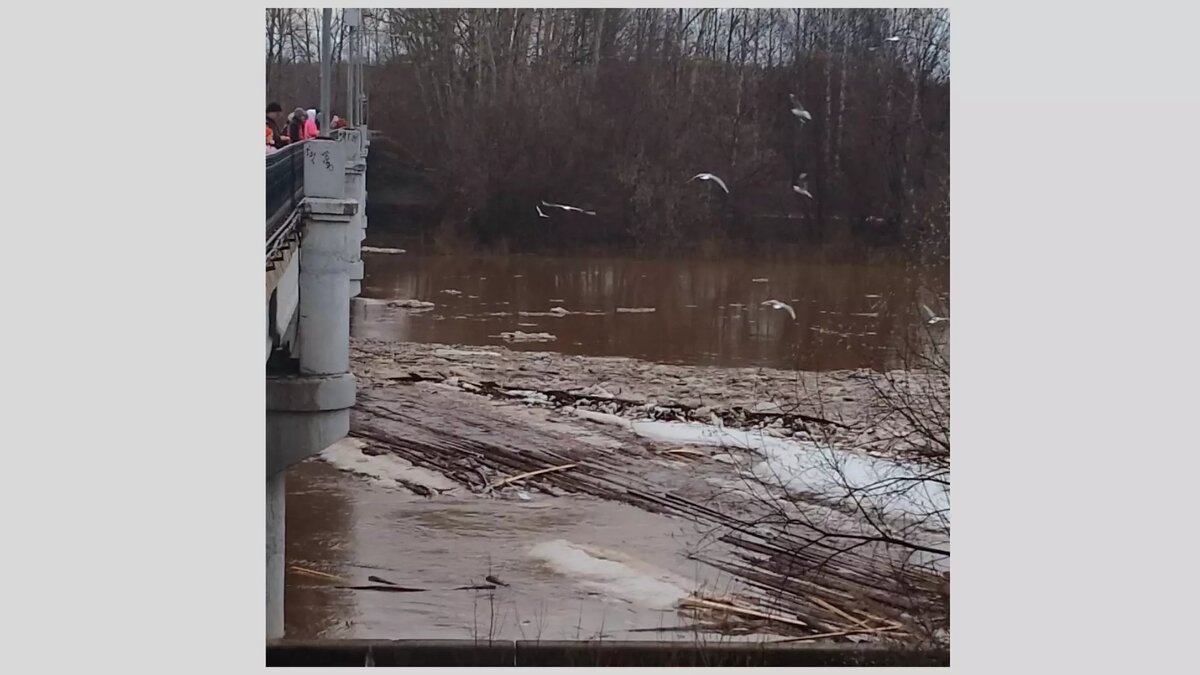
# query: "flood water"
[[705, 312], [354, 528]]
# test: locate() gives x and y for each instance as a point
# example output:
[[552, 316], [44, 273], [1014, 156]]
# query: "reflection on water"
[[705, 312]]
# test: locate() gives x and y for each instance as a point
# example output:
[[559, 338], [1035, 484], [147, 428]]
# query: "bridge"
[[316, 221]]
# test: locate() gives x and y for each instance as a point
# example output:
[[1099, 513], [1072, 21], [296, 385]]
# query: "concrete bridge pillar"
[[309, 396], [356, 189]]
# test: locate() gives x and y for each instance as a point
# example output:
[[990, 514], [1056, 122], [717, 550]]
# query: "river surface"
[[577, 567], [705, 312]]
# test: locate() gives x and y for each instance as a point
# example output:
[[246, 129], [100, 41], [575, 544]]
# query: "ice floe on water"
[[521, 336], [802, 466], [635, 310], [463, 352], [451, 291], [387, 469], [613, 574], [411, 304]]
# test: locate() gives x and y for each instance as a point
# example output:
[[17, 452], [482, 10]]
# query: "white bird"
[[893, 40], [801, 186], [799, 111], [775, 304], [930, 317], [564, 207], [709, 176], [539, 210]]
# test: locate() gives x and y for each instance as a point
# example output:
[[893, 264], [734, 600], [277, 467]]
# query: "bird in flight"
[[801, 186], [775, 304], [930, 317], [799, 111], [564, 207], [539, 210], [891, 40], [709, 176]]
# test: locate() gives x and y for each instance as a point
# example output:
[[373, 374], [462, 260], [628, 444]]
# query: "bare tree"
[[617, 107]]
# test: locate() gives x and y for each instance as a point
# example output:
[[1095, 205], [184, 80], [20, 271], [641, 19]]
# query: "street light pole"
[[326, 63], [347, 109]]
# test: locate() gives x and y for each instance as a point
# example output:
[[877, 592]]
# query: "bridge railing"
[[285, 185]]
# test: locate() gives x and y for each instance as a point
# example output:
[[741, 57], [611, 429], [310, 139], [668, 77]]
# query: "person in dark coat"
[[278, 138], [296, 124]]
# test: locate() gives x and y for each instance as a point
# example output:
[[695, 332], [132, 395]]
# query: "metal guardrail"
[[480, 653], [285, 185]]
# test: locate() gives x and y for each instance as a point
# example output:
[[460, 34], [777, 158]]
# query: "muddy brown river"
[[576, 567], [700, 312]]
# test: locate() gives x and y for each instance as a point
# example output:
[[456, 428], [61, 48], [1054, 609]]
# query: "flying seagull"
[[539, 210], [801, 186], [799, 111], [775, 304], [709, 176], [564, 207], [891, 40], [930, 317]]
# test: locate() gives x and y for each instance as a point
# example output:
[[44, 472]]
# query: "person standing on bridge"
[[275, 137], [311, 130], [296, 124]]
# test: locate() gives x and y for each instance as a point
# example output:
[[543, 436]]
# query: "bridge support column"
[[309, 401], [356, 189]]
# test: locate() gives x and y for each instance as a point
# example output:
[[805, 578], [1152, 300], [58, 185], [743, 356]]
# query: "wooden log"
[[315, 574]]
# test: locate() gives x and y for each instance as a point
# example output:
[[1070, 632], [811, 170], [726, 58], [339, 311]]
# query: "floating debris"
[[522, 336], [411, 304]]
